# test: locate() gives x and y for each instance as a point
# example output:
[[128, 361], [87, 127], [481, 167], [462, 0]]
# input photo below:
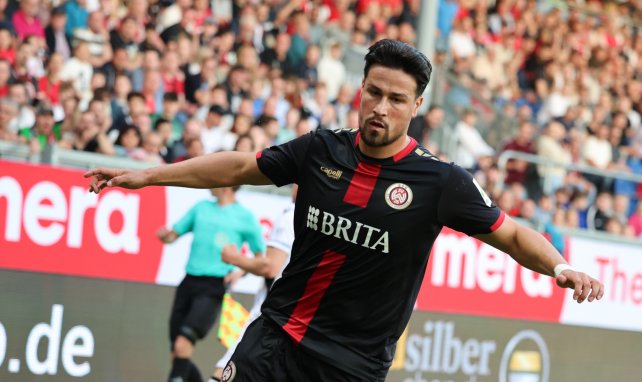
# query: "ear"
[[418, 103]]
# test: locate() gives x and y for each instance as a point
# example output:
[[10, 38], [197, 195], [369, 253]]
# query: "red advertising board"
[[49, 222]]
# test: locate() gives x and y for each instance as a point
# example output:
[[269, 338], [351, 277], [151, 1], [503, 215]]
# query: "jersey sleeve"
[[186, 223], [465, 207], [283, 163], [282, 235]]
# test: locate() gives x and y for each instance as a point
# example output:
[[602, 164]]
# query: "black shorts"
[[267, 354], [197, 304]]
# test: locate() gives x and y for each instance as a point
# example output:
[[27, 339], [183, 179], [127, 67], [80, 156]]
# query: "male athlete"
[[369, 207]]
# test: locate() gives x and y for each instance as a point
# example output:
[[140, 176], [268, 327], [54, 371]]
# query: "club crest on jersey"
[[229, 372], [398, 196]]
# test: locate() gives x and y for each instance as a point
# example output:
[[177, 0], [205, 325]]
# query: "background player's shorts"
[[267, 354], [197, 304]]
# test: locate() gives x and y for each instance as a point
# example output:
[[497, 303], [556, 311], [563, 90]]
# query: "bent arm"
[[534, 252], [267, 266], [525, 245]]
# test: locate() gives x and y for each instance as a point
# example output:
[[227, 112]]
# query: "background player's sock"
[[194, 373], [180, 370]]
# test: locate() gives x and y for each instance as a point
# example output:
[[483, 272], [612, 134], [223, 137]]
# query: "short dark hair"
[[399, 55], [170, 97]]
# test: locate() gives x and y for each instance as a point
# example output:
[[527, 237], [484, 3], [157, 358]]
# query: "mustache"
[[378, 120]]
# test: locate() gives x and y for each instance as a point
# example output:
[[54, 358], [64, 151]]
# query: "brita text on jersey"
[[345, 229]]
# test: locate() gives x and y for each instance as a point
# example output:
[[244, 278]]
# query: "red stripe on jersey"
[[308, 304], [498, 222], [258, 154], [362, 184], [406, 150], [357, 138]]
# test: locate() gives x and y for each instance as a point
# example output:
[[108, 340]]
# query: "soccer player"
[[198, 299], [369, 207], [270, 266]]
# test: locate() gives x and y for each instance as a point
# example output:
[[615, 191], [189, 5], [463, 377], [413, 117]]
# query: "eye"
[[374, 92]]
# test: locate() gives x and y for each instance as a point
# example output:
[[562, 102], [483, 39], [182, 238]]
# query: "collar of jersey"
[[389, 160]]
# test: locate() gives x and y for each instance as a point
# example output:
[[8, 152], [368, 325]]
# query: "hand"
[[229, 254], [165, 235], [231, 278], [109, 177], [582, 283]]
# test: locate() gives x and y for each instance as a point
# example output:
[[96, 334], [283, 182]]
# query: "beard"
[[377, 137]]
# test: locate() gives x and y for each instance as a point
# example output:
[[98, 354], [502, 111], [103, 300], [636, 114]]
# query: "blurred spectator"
[[7, 45], [173, 76], [50, 84], [129, 140], [5, 76], [216, 136], [26, 117], [126, 37], [550, 146], [517, 170], [101, 116], [150, 151], [25, 21], [245, 143], [96, 35], [8, 119], [77, 15], [191, 132], [621, 208], [79, 71], [331, 70], [163, 128], [470, 144], [89, 137], [596, 151], [635, 221], [44, 131], [153, 91], [170, 110], [423, 128], [56, 35], [71, 114], [601, 212]]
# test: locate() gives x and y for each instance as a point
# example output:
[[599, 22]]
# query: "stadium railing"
[[505, 156]]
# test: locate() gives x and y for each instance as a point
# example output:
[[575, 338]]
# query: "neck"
[[225, 200], [381, 152]]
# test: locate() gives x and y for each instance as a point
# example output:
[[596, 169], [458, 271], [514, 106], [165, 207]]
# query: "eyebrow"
[[392, 94]]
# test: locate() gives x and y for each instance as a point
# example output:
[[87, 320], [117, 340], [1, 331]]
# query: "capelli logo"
[[334, 174]]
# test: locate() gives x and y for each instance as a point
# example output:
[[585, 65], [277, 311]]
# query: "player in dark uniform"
[[369, 208]]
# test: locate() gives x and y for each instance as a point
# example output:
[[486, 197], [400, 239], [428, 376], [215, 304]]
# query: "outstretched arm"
[[533, 251], [222, 169]]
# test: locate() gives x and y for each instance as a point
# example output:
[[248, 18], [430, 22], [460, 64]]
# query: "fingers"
[[584, 287], [585, 284], [577, 285], [597, 290]]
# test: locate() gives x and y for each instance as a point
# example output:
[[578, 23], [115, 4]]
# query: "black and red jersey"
[[364, 228]]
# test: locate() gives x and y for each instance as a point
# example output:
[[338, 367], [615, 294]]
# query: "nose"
[[381, 108]]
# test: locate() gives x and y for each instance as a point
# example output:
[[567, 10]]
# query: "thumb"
[[115, 181], [561, 280]]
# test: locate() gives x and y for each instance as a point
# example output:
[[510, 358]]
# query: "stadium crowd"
[[166, 80]]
